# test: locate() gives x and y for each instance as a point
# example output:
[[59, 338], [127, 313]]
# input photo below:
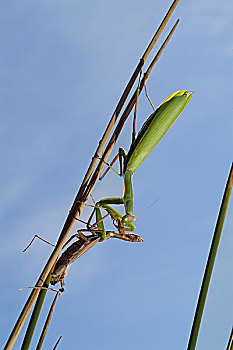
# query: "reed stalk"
[[210, 263]]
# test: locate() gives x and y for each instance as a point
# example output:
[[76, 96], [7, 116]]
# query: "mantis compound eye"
[[128, 218]]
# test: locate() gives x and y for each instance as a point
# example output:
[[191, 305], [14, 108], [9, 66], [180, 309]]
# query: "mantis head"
[[128, 219]]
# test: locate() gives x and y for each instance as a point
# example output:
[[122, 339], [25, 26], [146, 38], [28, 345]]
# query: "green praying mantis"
[[152, 131]]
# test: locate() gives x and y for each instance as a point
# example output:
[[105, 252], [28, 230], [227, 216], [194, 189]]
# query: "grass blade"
[[210, 263]]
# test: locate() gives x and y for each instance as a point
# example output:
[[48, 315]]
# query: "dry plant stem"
[[56, 345], [46, 325], [79, 201], [230, 342]]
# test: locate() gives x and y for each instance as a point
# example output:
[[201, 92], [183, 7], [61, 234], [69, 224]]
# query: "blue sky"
[[63, 65]]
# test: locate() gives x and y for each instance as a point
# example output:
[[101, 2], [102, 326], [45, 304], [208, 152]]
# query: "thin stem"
[[230, 342], [56, 345], [47, 322], [210, 263]]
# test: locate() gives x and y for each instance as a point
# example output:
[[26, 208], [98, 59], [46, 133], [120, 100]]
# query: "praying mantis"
[[152, 131], [78, 248], [81, 246]]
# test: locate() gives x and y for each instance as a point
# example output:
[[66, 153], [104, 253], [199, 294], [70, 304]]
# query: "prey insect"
[[81, 246], [152, 131], [78, 248]]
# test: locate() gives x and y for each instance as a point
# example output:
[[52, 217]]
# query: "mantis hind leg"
[[42, 239], [122, 157], [149, 98]]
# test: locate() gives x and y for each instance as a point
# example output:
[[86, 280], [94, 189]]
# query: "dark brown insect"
[[78, 248]]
